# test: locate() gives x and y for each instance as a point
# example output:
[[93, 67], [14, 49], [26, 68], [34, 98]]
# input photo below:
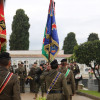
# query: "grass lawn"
[[94, 93]]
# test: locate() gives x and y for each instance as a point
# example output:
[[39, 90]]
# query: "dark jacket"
[[12, 89]]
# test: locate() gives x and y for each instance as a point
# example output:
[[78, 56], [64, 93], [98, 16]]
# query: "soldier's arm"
[[43, 75], [16, 89], [72, 83], [65, 88]]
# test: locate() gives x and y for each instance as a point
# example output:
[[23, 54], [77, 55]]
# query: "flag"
[[51, 41], [45, 55], [2, 25]]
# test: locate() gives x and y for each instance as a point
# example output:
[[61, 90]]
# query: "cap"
[[64, 60], [41, 64], [5, 55], [22, 63]]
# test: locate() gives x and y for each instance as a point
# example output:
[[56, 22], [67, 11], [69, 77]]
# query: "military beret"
[[64, 60], [22, 63], [54, 62], [5, 55], [41, 64]]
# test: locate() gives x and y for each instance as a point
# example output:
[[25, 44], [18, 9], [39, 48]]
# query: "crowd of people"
[[58, 81]]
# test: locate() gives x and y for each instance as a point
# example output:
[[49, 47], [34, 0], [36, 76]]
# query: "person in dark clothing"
[[9, 83]]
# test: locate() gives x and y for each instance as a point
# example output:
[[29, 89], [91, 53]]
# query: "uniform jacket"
[[21, 72], [70, 80], [60, 85], [34, 82], [12, 89]]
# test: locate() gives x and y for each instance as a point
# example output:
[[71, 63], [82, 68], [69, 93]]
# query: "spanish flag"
[[2, 25]]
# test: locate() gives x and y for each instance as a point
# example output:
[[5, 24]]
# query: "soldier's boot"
[[70, 97], [42, 94], [35, 96]]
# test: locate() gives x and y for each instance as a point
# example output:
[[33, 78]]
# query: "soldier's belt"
[[55, 91]]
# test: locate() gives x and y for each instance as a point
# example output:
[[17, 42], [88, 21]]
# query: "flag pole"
[[53, 6], [49, 50], [50, 36]]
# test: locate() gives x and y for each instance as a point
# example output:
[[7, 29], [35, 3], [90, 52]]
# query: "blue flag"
[[51, 41]]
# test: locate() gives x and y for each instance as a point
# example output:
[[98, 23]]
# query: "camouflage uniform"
[[12, 89], [21, 72], [70, 81], [34, 86], [59, 86]]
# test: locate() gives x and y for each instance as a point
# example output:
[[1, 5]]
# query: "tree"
[[69, 43], [93, 36], [89, 52], [3, 48], [19, 38]]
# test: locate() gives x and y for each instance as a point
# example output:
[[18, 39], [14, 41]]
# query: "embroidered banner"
[[50, 41], [2, 25]]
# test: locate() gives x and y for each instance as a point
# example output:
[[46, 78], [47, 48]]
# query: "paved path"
[[29, 96]]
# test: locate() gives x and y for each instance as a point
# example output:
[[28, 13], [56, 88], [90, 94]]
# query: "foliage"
[[71, 59], [93, 37], [19, 38], [41, 98], [89, 52], [94, 93], [69, 43], [3, 48]]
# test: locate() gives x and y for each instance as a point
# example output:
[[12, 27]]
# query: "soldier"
[[21, 72], [55, 89], [69, 77], [76, 71], [35, 79], [43, 84], [9, 84]]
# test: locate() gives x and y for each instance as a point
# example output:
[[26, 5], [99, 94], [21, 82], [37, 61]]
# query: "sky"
[[79, 16]]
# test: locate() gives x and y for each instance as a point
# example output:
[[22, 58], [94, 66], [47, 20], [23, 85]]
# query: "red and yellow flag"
[[2, 25]]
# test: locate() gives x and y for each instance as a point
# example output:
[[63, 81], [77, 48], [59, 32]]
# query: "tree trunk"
[[98, 85]]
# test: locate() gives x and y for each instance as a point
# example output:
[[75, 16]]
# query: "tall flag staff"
[[2, 25], [50, 46]]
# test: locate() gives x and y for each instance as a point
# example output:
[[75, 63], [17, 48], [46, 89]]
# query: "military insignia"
[[54, 26], [53, 49], [2, 15], [47, 36], [2, 25]]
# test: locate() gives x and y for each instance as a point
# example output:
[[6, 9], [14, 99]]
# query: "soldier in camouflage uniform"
[[22, 74], [69, 77], [11, 91], [56, 93], [35, 79], [43, 83]]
